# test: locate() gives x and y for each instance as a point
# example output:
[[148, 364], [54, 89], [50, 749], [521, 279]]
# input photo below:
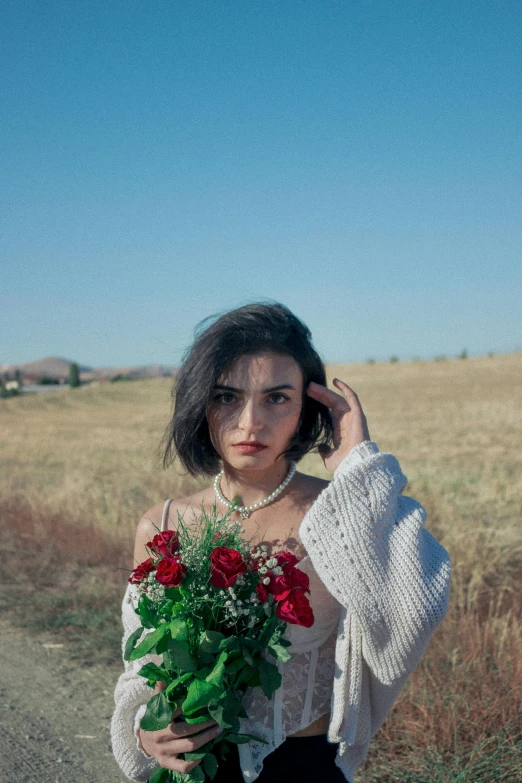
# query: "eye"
[[276, 398], [225, 398]]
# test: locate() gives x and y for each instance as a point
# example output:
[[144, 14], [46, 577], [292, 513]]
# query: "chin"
[[260, 460]]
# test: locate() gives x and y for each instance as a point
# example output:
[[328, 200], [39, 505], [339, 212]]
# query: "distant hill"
[[50, 367], [58, 369]]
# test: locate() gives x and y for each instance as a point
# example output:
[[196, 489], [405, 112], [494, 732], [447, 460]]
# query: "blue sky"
[[161, 161]]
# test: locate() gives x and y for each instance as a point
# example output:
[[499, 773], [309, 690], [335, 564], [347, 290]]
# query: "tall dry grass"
[[89, 457]]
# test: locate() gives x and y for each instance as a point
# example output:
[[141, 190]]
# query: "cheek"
[[289, 421], [219, 419]]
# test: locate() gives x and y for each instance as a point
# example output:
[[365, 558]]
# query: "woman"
[[251, 400]]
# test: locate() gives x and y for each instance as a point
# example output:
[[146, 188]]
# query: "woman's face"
[[255, 409]]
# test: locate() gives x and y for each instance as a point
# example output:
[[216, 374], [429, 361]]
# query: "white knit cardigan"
[[368, 545]]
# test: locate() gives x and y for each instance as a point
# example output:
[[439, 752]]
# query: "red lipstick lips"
[[249, 447]]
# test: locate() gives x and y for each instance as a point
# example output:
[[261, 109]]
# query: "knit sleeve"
[[368, 544], [130, 694]]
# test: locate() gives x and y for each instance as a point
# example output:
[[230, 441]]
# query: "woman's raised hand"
[[165, 745], [349, 421]]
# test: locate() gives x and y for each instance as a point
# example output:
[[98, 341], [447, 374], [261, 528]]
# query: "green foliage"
[[158, 714], [149, 643], [270, 678], [159, 775], [131, 643], [178, 655], [74, 375], [150, 617], [210, 765], [394, 359], [463, 354], [199, 695]]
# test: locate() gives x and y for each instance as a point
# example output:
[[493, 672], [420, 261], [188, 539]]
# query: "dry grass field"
[[79, 467]]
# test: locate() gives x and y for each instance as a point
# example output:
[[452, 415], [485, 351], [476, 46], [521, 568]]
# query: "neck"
[[253, 485]]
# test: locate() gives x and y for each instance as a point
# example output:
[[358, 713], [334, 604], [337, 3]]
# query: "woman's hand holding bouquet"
[[215, 607]]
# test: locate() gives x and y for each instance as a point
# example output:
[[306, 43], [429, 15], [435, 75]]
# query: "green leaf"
[[267, 632], [197, 719], [226, 710], [279, 652], [194, 755], [249, 675], [247, 655], [196, 775], [200, 694], [217, 673], [236, 665], [203, 673], [131, 643], [153, 673], [269, 677], [178, 656], [179, 630], [158, 714], [173, 594], [230, 643], [210, 765], [209, 641], [159, 775], [149, 642], [178, 681], [148, 612], [251, 644]]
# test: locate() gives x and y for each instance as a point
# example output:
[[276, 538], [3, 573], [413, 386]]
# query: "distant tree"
[[394, 359], [370, 361], [463, 354], [74, 375]]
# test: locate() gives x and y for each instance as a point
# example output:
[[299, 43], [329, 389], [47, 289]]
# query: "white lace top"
[[307, 681]]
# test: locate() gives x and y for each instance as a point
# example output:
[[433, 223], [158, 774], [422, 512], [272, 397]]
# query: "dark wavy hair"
[[250, 329]]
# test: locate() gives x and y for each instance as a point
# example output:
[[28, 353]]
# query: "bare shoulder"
[[150, 523], [307, 489]]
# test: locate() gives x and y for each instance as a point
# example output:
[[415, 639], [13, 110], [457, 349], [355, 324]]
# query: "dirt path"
[[54, 715]]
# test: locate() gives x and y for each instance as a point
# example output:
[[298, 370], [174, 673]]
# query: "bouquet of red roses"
[[215, 607]]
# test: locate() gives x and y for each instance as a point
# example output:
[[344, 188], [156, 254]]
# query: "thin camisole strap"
[[164, 518]]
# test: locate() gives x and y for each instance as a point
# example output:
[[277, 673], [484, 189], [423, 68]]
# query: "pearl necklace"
[[244, 511]]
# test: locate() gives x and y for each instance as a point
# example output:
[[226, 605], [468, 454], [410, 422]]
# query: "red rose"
[[281, 586], [165, 543], [287, 561], [262, 592], [170, 572], [141, 571], [227, 565], [296, 609]]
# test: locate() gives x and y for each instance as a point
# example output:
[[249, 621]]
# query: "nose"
[[250, 418]]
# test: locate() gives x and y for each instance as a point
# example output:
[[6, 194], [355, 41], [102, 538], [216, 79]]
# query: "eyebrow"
[[222, 387]]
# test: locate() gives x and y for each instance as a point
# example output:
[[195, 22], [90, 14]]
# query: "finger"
[[348, 393], [337, 403], [181, 729], [193, 742], [160, 686]]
